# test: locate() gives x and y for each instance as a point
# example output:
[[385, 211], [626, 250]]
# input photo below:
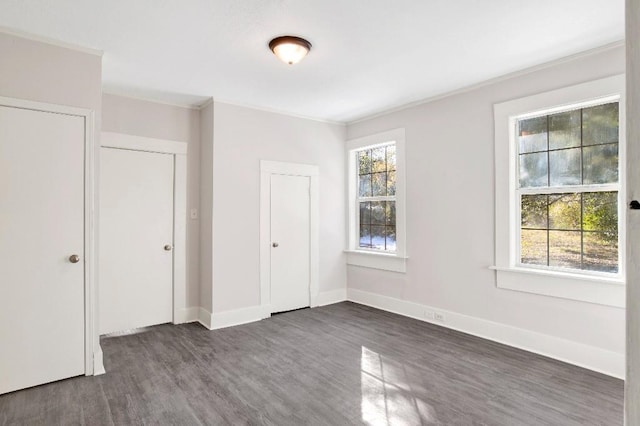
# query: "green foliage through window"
[[576, 228]]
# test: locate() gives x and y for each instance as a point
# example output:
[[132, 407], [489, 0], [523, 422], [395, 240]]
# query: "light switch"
[[194, 213]]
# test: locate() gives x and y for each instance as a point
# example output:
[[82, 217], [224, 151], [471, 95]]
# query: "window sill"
[[592, 289], [384, 261]]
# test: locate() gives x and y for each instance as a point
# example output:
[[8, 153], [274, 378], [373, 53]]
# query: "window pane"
[[379, 184], [533, 247], [378, 216], [570, 148], [533, 170], [564, 130], [564, 167], [365, 186], [600, 164], [390, 238], [391, 157], [377, 237], [365, 213], [534, 211], [600, 212], [391, 183], [564, 211], [532, 134], [600, 252], [365, 236], [565, 249], [364, 162], [600, 124], [378, 160], [391, 213]]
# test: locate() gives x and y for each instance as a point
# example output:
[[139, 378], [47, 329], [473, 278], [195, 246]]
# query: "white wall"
[[243, 137], [450, 212], [153, 120]]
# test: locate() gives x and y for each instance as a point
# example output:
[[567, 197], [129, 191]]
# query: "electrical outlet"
[[433, 316]]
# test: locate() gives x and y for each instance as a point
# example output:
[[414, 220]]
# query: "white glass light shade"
[[290, 49]]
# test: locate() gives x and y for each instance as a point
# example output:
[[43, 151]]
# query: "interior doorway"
[[46, 237], [288, 236], [136, 224], [142, 232], [290, 242]]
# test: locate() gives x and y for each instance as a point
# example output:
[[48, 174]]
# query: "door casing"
[[179, 151], [268, 168], [93, 352]]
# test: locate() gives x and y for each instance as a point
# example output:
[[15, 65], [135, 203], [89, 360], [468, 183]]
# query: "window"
[[377, 197], [568, 186], [376, 201], [560, 209]]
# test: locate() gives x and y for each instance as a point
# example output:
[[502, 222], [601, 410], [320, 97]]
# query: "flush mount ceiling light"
[[290, 49]]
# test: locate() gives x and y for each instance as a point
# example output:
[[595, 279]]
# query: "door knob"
[[274, 245], [74, 258], [168, 247]]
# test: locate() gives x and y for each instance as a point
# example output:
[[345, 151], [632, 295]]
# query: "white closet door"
[[136, 237], [42, 326], [290, 242]]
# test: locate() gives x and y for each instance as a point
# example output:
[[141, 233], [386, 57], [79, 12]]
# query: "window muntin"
[[568, 189], [376, 197], [570, 230]]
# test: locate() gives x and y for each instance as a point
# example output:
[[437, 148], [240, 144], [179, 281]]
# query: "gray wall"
[[206, 202], [450, 211], [243, 137]]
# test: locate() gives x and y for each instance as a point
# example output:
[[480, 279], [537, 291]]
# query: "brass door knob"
[[74, 258], [168, 247]]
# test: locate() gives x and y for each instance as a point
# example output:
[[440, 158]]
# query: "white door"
[[42, 325], [290, 242], [136, 235]]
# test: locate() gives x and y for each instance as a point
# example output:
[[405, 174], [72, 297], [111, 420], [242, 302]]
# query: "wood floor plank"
[[343, 364]]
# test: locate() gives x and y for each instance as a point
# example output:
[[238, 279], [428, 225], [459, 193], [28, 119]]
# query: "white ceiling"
[[367, 56]]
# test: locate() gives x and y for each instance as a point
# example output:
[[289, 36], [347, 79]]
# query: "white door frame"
[[179, 152], [268, 168], [632, 379], [92, 352]]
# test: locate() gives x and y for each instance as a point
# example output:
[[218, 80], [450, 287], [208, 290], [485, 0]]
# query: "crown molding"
[[279, 112], [51, 41], [126, 94]]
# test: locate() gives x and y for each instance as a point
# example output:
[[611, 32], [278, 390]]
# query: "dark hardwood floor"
[[337, 365]]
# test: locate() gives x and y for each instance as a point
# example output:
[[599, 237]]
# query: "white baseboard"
[[586, 356], [256, 313], [98, 362], [332, 296], [186, 315], [236, 317], [205, 318]]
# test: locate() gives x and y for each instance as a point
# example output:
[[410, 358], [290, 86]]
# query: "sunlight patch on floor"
[[387, 397]]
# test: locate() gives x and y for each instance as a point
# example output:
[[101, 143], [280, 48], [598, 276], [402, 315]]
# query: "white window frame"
[[377, 259], [600, 288]]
